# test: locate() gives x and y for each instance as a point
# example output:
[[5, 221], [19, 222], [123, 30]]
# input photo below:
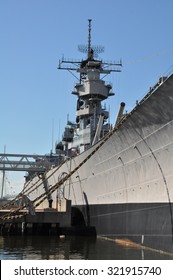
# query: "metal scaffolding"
[[22, 162]]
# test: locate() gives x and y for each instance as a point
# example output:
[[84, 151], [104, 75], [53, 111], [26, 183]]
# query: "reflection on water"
[[54, 248]]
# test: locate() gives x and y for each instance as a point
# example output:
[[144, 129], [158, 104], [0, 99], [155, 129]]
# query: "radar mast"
[[92, 52]]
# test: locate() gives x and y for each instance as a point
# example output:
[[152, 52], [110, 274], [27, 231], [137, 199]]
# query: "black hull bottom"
[[150, 224]]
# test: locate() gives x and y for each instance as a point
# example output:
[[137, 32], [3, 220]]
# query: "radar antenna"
[[89, 36], [91, 50]]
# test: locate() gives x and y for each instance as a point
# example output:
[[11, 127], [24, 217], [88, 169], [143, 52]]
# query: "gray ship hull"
[[124, 184], [147, 224]]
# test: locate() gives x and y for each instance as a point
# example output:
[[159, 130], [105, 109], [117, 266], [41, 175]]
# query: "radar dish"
[[97, 49]]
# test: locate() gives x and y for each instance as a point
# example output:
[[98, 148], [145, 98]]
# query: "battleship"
[[118, 177]]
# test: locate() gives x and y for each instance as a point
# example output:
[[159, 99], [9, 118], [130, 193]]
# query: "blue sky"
[[35, 96]]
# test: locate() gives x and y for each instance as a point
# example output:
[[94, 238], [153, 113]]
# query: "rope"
[[38, 200]]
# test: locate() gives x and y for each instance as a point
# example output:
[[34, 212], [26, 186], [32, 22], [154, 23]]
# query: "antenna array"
[[96, 49]]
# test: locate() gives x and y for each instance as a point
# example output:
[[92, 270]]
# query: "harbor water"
[[71, 247]]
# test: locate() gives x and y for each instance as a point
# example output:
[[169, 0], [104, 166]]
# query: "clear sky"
[[34, 34]]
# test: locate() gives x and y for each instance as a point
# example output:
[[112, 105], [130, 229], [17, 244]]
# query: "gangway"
[[24, 162]]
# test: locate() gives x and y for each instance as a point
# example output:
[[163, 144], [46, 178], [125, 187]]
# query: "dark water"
[[66, 248]]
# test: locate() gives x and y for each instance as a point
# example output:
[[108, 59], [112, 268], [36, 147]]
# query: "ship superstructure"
[[92, 119]]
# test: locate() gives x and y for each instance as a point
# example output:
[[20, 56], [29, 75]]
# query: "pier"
[[43, 222], [21, 216]]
